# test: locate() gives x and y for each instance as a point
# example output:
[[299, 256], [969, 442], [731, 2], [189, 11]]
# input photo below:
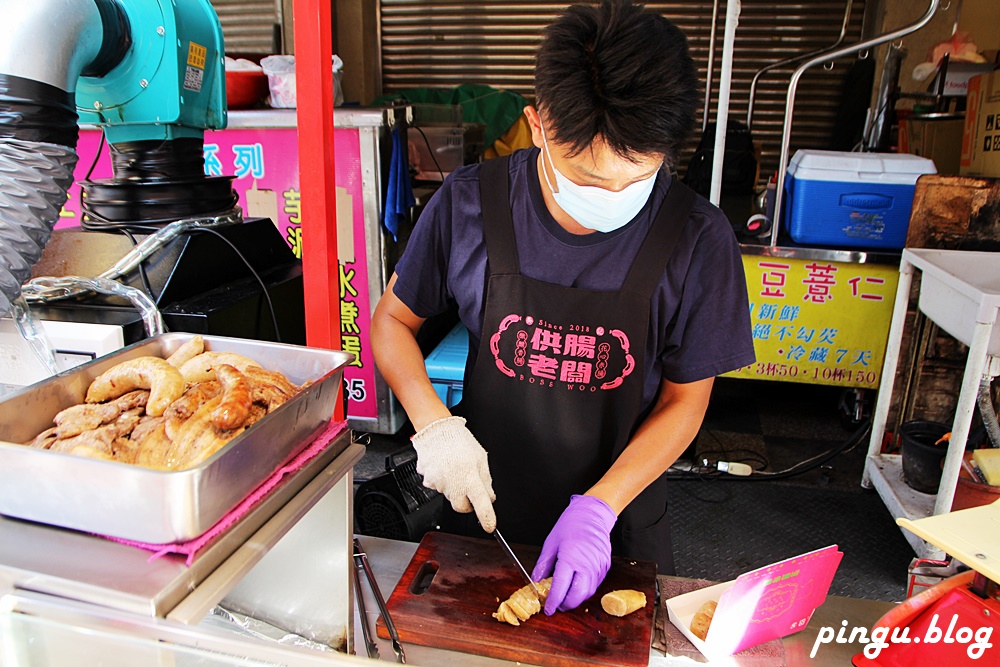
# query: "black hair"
[[616, 71]]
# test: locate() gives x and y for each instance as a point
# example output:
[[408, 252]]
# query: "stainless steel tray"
[[137, 503]]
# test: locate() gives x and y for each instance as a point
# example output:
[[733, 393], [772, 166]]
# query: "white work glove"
[[454, 463]]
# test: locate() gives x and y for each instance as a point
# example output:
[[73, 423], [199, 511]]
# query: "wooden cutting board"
[[470, 579]]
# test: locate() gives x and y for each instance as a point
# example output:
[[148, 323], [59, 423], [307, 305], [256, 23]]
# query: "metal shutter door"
[[443, 44], [248, 25]]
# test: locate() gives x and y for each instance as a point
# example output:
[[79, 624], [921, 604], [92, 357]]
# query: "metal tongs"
[[362, 567]]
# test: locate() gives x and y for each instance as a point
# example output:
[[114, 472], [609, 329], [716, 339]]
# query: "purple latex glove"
[[577, 553]]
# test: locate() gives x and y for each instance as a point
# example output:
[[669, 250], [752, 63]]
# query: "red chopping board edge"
[[474, 575]]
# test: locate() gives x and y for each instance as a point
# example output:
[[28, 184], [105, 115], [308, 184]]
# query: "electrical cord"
[[716, 493], [263, 287], [152, 226], [704, 473], [97, 155], [755, 460], [95, 222], [430, 151], [142, 268]]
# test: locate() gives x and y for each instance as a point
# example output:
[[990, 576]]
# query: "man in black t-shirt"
[[601, 295]]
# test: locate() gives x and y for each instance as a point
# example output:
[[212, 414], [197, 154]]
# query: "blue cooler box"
[[860, 200], [446, 365]]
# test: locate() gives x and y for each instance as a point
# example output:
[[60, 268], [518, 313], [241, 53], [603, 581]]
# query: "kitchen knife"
[[510, 554]]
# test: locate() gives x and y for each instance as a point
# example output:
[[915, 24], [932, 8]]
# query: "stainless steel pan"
[[136, 503]]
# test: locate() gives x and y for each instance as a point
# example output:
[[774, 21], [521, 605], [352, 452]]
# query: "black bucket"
[[922, 459]]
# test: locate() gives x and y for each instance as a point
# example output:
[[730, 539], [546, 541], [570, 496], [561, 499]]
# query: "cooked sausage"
[[188, 403], [523, 604], [702, 620], [202, 367], [164, 382], [76, 419], [187, 351], [623, 602], [198, 438], [102, 437], [235, 406], [89, 452], [82, 417], [269, 387], [152, 449], [44, 439]]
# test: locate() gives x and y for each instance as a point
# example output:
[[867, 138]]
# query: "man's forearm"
[[401, 363], [659, 440]]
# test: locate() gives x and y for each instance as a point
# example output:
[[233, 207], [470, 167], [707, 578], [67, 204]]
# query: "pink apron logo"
[[579, 357]]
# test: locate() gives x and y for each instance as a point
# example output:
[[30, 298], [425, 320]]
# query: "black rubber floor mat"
[[722, 529]]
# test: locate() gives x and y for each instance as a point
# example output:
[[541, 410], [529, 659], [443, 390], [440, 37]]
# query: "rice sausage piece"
[[164, 382], [257, 412], [132, 400], [523, 604], [235, 406], [145, 426], [43, 440], [623, 602], [186, 352], [76, 419], [202, 367], [269, 387], [273, 378], [208, 442], [188, 404], [153, 449], [182, 441], [83, 417], [102, 437], [198, 438], [99, 438], [703, 619]]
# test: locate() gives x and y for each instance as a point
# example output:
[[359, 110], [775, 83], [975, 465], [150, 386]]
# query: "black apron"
[[556, 389]]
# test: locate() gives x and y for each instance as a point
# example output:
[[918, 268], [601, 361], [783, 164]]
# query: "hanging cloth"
[[399, 194]]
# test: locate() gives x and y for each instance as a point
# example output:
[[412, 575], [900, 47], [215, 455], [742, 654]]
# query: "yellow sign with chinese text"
[[818, 321]]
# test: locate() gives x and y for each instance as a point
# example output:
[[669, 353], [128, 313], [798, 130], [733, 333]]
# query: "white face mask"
[[596, 208]]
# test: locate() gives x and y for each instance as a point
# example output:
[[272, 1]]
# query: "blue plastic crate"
[[446, 365]]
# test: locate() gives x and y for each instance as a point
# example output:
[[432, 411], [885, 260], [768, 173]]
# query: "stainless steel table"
[[390, 557], [90, 569]]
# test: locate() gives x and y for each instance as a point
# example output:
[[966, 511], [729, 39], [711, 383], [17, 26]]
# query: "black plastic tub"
[[922, 459]]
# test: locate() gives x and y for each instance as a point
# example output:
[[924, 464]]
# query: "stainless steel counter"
[[390, 557], [91, 569]]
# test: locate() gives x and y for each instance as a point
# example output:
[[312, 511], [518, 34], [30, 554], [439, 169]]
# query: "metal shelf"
[[960, 292], [886, 474]]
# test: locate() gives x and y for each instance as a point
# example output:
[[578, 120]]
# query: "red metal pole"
[[314, 84]]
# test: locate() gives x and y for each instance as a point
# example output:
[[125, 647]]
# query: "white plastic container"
[[858, 200], [280, 71]]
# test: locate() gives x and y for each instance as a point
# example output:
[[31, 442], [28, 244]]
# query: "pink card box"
[[768, 603]]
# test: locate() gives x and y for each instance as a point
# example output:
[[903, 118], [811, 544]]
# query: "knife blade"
[[510, 554]]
